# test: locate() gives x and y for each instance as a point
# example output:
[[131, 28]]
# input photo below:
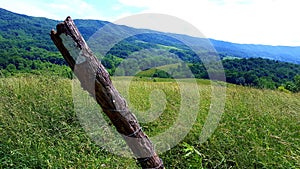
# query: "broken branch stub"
[[95, 79]]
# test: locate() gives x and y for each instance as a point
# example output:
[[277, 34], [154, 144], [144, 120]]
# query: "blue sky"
[[273, 22]]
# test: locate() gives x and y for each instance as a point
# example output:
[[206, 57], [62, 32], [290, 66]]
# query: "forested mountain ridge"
[[25, 46], [280, 53], [35, 30]]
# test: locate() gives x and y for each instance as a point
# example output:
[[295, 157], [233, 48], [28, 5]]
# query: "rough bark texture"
[[95, 79]]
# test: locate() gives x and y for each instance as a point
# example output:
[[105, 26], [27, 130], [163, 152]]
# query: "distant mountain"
[[24, 31], [280, 53]]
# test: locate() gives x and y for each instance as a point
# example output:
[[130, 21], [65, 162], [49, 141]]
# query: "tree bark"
[[95, 79]]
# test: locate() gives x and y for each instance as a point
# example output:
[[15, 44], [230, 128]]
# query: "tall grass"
[[39, 128]]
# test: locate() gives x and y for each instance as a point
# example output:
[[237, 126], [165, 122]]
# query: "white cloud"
[[244, 21], [54, 9], [78, 9], [25, 7]]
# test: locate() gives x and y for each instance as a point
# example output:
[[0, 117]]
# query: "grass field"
[[40, 129]]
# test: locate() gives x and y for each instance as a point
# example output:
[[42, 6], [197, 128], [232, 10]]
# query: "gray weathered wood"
[[95, 79]]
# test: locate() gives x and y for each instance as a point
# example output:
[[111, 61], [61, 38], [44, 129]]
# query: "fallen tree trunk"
[[95, 79]]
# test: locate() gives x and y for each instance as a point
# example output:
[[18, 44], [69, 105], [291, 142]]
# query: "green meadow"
[[39, 128]]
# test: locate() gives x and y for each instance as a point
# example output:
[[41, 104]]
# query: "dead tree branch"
[[95, 79]]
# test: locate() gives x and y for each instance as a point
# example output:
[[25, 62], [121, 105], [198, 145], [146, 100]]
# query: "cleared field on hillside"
[[40, 129]]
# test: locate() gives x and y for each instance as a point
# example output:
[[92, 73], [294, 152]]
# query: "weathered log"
[[95, 79]]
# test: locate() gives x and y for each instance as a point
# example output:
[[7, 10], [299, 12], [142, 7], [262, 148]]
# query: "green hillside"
[[39, 128], [25, 47]]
